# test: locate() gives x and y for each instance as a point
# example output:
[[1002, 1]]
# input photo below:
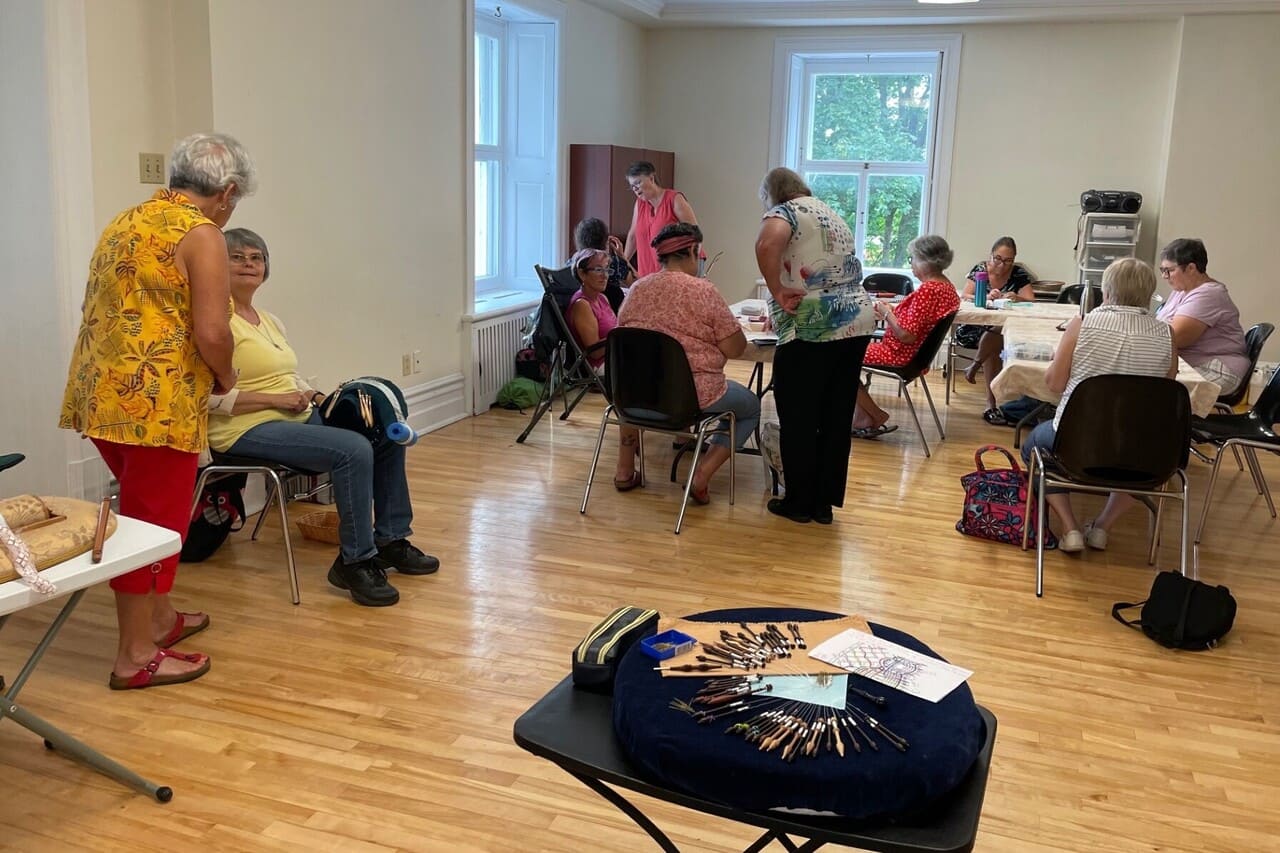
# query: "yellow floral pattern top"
[[136, 376]]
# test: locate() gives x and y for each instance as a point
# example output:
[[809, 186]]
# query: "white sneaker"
[[1095, 537], [1071, 542]]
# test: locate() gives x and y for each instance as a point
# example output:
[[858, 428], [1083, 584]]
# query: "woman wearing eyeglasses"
[[591, 318], [1005, 280], [1205, 322], [273, 415]]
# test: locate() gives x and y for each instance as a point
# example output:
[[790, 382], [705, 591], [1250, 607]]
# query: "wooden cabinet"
[[598, 184]]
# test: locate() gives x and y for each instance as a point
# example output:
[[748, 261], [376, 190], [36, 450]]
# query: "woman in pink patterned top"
[[908, 325], [591, 319], [676, 302]]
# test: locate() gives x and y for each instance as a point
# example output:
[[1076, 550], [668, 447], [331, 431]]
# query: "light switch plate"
[[151, 168]]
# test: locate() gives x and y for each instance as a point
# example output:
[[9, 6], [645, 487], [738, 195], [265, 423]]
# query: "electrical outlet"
[[417, 361], [151, 168], [406, 364]]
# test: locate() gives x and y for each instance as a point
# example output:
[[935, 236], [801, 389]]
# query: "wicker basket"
[[320, 527]]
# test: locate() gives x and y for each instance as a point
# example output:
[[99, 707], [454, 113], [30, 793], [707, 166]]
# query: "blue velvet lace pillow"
[[673, 750]]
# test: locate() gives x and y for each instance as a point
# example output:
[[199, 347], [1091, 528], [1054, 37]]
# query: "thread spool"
[[402, 433]]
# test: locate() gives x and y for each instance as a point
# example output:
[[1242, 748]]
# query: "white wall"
[[1044, 112], [1223, 172], [353, 113], [604, 74]]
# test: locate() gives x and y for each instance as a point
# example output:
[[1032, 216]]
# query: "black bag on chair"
[[1181, 613], [219, 513]]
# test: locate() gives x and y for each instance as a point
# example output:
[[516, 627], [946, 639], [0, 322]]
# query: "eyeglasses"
[[240, 258], [1001, 262], [597, 270], [1167, 271]]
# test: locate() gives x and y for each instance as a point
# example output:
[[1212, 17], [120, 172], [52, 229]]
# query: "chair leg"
[[195, 497], [546, 400], [902, 386], [1182, 540], [1041, 509], [569, 407], [942, 434], [595, 459], [274, 490], [278, 489], [1208, 494], [640, 448], [693, 466], [1252, 457], [733, 456], [1236, 452], [1026, 510], [951, 368], [1157, 532]]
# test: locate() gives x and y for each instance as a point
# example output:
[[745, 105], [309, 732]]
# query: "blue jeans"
[[745, 406], [370, 488]]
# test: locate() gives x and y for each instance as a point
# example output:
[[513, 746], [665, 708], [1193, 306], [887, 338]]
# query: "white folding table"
[[135, 543]]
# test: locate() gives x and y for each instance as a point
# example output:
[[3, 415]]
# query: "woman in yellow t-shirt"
[[272, 414]]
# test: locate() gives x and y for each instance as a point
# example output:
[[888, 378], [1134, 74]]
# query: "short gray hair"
[[782, 184], [931, 252], [1129, 281], [207, 163], [243, 238]]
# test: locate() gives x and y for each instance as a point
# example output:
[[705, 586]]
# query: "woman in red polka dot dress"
[[908, 325]]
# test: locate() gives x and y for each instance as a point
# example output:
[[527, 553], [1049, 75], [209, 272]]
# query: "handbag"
[[995, 502], [371, 406], [40, 532], [1181, 613]]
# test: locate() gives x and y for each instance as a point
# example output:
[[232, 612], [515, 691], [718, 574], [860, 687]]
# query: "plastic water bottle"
[[402, 433], [980, 289]]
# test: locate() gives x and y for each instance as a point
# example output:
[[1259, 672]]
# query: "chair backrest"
[[558, 288], [1047, 291], [1254, 340], [888, 282], [1073, 293], [929, 347], [1267, 407], [649, 379], [1131, 430]]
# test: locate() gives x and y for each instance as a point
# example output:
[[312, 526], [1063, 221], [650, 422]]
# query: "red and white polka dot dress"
[[918, 314]]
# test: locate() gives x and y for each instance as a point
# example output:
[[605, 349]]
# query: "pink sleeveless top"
[[605, 320], [648, 223]]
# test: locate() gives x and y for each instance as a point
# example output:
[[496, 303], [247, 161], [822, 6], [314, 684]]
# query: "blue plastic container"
[[668, 644]]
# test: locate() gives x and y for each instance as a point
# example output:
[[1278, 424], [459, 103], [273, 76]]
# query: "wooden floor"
[[335, 727]]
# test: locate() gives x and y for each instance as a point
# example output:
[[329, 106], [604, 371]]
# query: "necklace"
[[259, 327]]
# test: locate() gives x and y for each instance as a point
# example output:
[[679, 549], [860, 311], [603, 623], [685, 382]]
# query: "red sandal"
[[146, 677], [184, 626]]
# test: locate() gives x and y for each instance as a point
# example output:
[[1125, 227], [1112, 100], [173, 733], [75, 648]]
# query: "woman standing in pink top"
[[655, 209]]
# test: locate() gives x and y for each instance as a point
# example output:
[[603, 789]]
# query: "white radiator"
[[494, 344]]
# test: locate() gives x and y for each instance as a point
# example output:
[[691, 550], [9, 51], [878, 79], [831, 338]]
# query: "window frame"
[[490, 153], [797, 60]]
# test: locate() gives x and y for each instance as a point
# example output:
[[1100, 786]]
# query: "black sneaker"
[[406, 559], [822, 514], [366, 580]]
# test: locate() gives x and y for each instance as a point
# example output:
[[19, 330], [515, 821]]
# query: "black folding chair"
[[1072, 294], [569, 370], [888, 282], [1250, 432], [1254, 340], [1119, 433], [915, 369], [651, 388]]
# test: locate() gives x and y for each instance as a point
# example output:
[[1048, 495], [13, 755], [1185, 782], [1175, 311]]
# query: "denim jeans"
[[370, 488], [1042, 437], [745, 406]]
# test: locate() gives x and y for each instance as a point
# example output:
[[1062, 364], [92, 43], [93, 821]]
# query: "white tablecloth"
[[1029, 344], [1018, 310]]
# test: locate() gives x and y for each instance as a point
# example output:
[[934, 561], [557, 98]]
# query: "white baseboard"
[[437, 403]]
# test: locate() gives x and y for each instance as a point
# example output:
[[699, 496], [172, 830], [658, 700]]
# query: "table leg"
[[55, 738], [629, 810]]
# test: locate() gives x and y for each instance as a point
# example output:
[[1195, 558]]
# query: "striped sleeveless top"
[[1118, 339]]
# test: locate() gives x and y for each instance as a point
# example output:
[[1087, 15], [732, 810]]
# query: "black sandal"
[[995, 417]]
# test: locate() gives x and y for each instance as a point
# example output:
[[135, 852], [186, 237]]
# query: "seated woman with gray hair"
[[273, 414], [907, 325], [1119, 336]]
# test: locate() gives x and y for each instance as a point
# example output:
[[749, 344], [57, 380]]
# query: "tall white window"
[[515, 124], [864, 130]]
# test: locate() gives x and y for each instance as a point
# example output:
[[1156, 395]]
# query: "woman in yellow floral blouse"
[[154, 341]]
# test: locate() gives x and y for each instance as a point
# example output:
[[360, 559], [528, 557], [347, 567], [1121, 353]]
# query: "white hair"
[[207, 163]]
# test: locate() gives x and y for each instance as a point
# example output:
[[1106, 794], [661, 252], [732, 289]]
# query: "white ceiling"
[[795, 13]]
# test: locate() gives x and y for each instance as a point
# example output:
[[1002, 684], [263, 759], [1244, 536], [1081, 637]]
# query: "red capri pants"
[[155, 486]]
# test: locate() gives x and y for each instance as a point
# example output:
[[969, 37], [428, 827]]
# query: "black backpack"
[[1181, 613], [219, 512]]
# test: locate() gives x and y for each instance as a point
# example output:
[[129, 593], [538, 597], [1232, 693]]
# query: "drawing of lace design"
[[875, 662]]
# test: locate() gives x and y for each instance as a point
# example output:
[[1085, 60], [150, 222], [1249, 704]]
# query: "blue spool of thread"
[[402, 433]]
